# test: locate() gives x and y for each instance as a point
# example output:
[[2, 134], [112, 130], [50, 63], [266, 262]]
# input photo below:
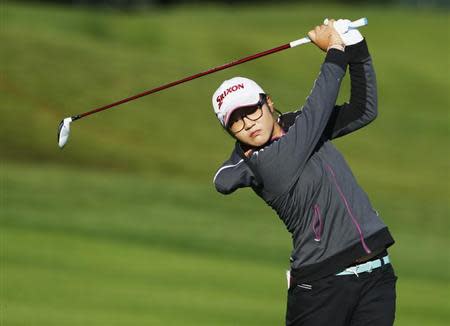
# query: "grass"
[[123, 227], [132, 251], [90, 248]]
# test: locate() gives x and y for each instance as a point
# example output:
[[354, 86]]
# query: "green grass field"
[[124, 227]]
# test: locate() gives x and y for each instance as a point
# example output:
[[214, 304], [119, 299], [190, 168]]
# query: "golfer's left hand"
[[348, 36], [326, 36]]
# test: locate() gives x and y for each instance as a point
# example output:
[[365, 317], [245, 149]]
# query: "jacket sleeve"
[[233, 174], [278, 164], [362, 107]]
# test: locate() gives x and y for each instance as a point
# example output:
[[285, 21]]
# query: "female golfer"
[[340, 272]]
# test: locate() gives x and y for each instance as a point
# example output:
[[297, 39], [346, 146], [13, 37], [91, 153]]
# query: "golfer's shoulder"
[[232, 163], [232, 174]]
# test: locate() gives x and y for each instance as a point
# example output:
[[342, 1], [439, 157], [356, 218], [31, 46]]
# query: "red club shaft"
[[204, 73]]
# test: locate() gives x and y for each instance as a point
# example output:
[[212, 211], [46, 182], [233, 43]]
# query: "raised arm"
[[362, 107], [290, 153]]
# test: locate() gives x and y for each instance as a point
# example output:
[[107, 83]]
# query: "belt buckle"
[[353, 269]]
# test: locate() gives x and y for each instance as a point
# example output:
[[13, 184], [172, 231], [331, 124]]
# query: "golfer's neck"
[[277, 132]]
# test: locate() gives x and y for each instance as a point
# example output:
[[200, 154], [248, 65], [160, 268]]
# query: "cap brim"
[[230, 112]]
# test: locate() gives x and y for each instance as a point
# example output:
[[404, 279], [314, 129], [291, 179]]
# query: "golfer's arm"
[[362, 107], [232, 175], [278, 164]]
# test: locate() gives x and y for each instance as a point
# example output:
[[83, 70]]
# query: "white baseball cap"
[[233, 94]]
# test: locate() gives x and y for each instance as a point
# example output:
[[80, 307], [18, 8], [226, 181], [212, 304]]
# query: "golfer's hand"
[[326, 36], [348, 36]]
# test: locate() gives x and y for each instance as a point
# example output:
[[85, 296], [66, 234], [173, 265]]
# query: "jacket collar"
[[285, 120]]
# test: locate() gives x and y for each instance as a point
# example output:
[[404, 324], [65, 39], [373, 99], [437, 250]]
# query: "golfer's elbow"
[[371, 111], [371, 96], [221, 187], [367, 104]]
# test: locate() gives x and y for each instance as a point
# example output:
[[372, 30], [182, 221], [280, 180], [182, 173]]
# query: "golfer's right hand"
[[325, 36]]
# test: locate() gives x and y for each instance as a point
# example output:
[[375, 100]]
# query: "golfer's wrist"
[[335, 42], [337, 57], [358, 52], [337, 46]]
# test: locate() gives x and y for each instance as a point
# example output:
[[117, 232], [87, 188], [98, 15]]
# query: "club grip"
[[359, 23], [354, 24]]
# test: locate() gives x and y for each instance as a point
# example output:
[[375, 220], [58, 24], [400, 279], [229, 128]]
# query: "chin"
[[259, 141]]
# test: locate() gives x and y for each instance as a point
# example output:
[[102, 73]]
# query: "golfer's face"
[[252, 125]]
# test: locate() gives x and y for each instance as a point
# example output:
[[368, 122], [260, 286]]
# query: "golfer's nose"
[[248, 124]]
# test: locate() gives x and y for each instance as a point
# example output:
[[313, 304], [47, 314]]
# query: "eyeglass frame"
[[259, 105]]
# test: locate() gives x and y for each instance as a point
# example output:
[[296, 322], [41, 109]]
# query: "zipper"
[[350, 213], [317, 225]]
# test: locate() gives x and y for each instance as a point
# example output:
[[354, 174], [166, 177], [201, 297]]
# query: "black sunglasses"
[[251, 113]]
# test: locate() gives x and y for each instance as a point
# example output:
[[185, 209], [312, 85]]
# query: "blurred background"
[[124, 227]]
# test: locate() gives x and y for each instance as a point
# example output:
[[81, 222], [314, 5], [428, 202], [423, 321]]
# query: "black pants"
[[349, 300]]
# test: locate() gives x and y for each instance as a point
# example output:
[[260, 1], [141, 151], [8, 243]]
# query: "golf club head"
[[63, 132]]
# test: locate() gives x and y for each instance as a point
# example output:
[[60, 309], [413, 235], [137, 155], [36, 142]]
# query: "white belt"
[[365, 267]]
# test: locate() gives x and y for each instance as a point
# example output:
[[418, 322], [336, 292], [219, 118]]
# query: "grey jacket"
[[307, 181]]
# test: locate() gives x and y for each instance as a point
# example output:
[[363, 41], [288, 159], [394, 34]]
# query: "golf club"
[[64, 125]]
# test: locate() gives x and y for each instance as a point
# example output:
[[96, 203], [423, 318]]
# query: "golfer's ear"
[[270, 103]]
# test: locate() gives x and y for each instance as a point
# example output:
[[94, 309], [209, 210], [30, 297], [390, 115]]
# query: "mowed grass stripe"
[[146, 212], [127, 279]]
